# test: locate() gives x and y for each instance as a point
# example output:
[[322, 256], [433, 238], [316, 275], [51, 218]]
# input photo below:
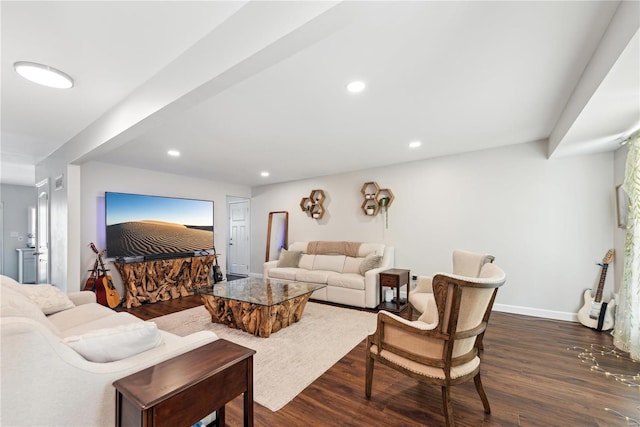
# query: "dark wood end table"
[[183, 390], [394, 278]]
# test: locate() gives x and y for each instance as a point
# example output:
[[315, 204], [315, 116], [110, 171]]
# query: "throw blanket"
[[322, 247]]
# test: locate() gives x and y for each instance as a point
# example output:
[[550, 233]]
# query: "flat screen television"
[[157, 227]]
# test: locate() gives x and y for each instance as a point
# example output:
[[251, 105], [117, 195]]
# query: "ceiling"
[[245, 87]]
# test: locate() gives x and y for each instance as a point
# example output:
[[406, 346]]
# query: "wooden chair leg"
[[369, 375], [483, 396], [479, 342], [447, 407]]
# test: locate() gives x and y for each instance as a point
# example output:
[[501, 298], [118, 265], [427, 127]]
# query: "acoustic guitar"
[[217, 271], [90, 284], [595, 313], [95, 284], [111, 293]]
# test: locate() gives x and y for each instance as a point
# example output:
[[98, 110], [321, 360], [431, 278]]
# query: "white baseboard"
[[514, 309], [537, 312]]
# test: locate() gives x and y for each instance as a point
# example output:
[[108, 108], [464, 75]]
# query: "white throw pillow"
[[111, 344], [49, 298], [16, 304]]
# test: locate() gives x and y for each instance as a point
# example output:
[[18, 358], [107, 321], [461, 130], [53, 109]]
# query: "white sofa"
[[44, 379], [338, 269]]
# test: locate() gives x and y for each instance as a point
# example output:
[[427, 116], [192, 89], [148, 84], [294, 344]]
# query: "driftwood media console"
[[161, 280]]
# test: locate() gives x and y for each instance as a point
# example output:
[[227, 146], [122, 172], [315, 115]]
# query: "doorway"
[[42, 233], [1, 234], [238, 242]]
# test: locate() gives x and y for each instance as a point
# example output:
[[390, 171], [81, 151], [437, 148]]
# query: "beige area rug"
[[292, 358]]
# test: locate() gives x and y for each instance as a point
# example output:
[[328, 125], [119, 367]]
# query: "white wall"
[[63, 219], [16, 201], [547, 221], [98, 177]]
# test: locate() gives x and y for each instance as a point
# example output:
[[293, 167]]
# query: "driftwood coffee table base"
[[259, 320]]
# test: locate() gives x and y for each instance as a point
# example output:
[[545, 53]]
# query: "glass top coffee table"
[[258, 306]]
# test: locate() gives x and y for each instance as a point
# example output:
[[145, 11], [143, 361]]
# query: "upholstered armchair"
[[465, 263], [441, 347]]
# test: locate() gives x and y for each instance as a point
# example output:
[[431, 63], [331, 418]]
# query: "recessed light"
[[43, 75], [265, 174], [356, 86], [174, 153], [415, 144]]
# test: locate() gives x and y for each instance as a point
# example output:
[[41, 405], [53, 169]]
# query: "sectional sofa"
[[349, 269], [61, 353]]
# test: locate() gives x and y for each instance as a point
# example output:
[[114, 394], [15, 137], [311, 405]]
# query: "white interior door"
[[1, 234], [42, 233], [238, 246]]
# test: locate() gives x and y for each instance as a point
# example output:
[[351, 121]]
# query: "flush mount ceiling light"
[[356, 86], [264, 174], [173, 153], [415, 144], [43, 75]]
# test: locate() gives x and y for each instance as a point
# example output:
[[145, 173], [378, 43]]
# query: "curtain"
[[626, 334]]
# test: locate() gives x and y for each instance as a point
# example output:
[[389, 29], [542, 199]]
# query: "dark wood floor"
[[531, 372]]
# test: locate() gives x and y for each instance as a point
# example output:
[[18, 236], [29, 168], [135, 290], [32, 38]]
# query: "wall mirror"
[[277, 234]]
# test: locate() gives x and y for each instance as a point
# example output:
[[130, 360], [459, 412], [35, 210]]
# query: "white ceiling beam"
[[623, 27], [257, 36]]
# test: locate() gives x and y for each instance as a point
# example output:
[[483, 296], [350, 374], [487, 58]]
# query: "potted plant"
[[370, 209], [384, 204]]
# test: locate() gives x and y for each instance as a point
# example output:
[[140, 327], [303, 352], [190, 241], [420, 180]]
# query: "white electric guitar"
[[594, 313]]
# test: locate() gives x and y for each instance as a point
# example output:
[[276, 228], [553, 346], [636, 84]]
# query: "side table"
[[394, 278], [187, 388]]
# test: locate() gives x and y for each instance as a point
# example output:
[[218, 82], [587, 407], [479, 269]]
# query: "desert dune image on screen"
[[151, 225]]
